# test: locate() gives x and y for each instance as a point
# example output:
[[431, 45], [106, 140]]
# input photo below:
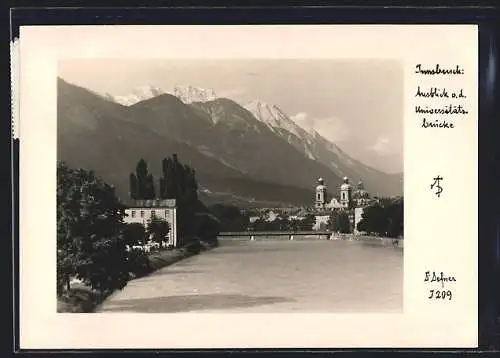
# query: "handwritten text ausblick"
[[435, 113]]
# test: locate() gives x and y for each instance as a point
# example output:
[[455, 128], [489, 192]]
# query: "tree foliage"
[[284, 224], [90, 245], [158, 230], [178, 181], [142, 184], [342, 223], [207, 227], [134, 234], [384, 218], [230, 217]]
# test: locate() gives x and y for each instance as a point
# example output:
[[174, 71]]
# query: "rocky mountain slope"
[[109, 138], [247, 154]]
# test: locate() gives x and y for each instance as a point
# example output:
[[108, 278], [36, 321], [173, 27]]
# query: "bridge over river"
[[274, 276], [290, 235]]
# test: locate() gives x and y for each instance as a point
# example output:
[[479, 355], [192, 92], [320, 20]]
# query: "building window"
[[142, 213], [343, 196], [133, 213], [153, 214], [319, 196]]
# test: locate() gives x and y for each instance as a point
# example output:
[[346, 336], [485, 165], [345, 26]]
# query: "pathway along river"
[[273, 276]]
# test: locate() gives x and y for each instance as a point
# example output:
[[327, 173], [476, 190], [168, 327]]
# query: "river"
[[272, 276]]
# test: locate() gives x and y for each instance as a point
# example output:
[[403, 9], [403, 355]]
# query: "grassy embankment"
[[83, 299]]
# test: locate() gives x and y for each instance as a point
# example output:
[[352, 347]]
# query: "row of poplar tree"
[[177, 181]]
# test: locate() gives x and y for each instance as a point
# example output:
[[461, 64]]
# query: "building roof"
[[152, 203]]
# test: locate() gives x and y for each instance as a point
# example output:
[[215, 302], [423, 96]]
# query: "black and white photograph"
[[263, 185], [254, 186]]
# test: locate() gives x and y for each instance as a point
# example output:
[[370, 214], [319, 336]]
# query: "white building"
[[358, 215], [351, 200], [142, 211], [321, 222]]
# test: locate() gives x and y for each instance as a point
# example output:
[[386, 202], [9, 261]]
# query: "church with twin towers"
[[349, 199]]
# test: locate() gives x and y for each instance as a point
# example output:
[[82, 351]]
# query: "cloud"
[[331, 128], [304, 121], [381, 146]]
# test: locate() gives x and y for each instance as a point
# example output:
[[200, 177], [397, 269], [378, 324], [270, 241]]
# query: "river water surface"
[[273, 276]]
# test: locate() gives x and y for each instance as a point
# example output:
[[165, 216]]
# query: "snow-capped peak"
[[269, 114], [186, 93], [190, 94], [276, 120], [138, 94]]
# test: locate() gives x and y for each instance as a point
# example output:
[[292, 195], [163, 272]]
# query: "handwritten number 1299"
[[436, 294]]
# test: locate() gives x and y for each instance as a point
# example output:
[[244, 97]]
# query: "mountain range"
[[249, 154]]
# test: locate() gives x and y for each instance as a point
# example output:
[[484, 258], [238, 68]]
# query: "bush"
[[139, 263], [158, 229], [134, 234]]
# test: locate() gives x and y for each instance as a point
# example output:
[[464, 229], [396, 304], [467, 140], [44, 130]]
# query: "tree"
[[308, 222], [207, 227], [90, 243], [332, 223], [149, 190], [133, 186], [343, 224], [384, 218], [142, 185], [134, 234], [158, 229], [373, 220], [291, 224], [178, 182], [231, 218], [142, 179]]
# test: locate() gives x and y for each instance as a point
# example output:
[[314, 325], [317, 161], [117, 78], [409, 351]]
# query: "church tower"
[[320, 194], [361, 186], [346, 194]]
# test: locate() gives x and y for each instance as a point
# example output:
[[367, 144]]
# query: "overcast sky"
[[358, 104]]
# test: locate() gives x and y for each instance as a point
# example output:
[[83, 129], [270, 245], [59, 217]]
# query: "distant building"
[[320, 195], [350, 200], [321, 222], [346, 194], [253, 219], [143, 211], [272, 215]]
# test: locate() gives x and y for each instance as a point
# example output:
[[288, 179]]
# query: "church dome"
[[321, 184], [346, 184]]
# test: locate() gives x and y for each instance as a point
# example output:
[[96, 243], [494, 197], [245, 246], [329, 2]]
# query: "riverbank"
[[371, 240], [83, 299]]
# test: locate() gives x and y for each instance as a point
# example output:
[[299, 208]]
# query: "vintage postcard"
[[305, 186]]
